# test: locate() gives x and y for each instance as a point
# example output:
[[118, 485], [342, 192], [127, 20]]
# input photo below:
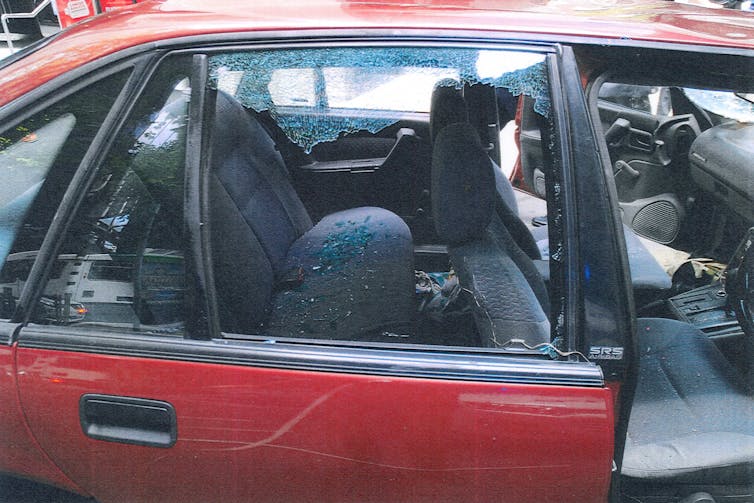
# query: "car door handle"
[[128, 420], [641, 140]]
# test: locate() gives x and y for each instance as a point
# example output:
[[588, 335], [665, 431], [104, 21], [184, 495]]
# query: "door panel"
[[242, 431], [388, 169], [648, 153], [313, 423], [19, 452]]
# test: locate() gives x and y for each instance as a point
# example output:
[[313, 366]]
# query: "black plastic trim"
[[627, 372], [203, 311], [424, 363], [128, 420], [605, 323], [570, 281]]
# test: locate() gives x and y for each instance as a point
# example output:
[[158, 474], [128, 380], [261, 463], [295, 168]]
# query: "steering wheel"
[[739, 283]]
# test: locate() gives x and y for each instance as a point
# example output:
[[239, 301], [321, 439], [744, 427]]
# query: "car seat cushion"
[[505, 306], [692, 420], [349, 278], [505, 189]]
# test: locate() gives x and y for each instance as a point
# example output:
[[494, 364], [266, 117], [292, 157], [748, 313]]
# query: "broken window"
[[309, 92], [355, 195]]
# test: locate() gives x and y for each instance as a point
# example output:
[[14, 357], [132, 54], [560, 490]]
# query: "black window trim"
[[413, 363], [205, 315], [84, 173], [565, 229]]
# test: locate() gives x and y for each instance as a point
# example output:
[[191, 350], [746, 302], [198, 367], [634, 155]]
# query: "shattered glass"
[[316, 95], [350, 240]]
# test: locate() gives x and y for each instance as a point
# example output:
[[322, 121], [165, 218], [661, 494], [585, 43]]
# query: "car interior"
[[682, 174], [401, 235]]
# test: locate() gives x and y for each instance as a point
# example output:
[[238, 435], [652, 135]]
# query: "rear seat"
[[349, 277]]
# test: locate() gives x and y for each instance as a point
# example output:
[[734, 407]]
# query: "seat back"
[[511, 301], [349, 277], [256, 214], [448, 107]]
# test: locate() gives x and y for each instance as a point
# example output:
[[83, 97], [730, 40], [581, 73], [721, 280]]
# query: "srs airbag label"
[[605, 353]]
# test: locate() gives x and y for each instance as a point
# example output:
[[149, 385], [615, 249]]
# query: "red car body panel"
[[92, 39], [341, 435], [19, 451]]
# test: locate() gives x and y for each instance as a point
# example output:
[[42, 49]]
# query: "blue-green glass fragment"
[[299, 87]]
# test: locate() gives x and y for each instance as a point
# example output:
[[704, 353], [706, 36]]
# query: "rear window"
[[315, 95]]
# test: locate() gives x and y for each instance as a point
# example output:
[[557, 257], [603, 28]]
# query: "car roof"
[[620, 21]]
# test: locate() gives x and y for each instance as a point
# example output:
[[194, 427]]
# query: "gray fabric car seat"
[[692, 422], [347, 277], [449, 107], [446, 106], [511, 301]]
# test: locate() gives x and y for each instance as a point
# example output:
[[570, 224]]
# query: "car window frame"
[[436, 362], [141, 67], [658, 71], [25, 108], [553, 54]]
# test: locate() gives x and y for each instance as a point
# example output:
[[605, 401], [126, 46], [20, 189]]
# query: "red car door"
[[44, 141], [130, 389]]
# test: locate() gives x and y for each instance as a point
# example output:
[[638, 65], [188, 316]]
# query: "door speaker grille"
[[659, 221]]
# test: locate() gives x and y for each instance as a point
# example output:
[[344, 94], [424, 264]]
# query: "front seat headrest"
[[447, 107]]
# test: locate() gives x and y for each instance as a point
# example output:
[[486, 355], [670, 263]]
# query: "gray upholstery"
[[404, 173], [463, 200], [509, 217], [507, 306], [251, 170], [242, 270], [348, 278], [647, 275], [692, 421], [509, 294], [266, 252], [448, 107], [505, 189]]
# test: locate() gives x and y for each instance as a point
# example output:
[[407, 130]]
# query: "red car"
[[381, 251]]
